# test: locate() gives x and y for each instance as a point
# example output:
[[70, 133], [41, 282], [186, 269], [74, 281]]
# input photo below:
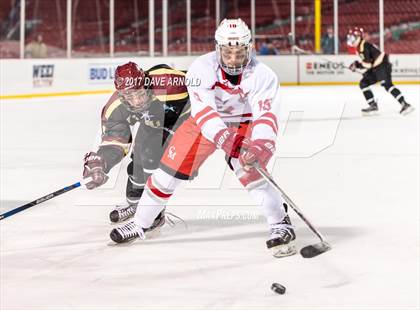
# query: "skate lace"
[[169, 217], [281, 230], [125, 212], [131, 230]]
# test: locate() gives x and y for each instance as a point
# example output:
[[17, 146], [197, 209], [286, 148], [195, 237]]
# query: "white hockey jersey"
[[216, 102]]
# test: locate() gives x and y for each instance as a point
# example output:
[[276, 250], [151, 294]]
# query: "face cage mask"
[[351, 40], [237, 69], [141, 96]]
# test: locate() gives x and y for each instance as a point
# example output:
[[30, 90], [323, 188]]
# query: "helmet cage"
[[237, 69], [233, 33], [135, 100], [353, 35]]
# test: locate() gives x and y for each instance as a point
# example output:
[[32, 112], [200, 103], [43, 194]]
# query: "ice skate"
[[122, 213], [130, 231], [371, 110], [406, 108], [281, 240]]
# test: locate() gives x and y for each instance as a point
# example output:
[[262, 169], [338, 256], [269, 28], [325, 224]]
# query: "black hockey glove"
[[94, 167], [356, 65]]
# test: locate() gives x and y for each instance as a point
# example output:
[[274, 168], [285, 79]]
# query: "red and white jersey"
[[215, 101]]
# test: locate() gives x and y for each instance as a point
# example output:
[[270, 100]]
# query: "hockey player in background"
[[157, 99], [234, 108], [378, 69]]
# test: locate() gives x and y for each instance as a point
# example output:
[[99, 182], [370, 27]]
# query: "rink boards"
[[28, 78]]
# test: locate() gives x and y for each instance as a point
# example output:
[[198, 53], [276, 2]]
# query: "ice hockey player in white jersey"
[[234, 101]]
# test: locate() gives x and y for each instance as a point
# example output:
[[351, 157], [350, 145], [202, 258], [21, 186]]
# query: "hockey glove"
[[259, 151], [94, 167], [230, 141], [356, 65]]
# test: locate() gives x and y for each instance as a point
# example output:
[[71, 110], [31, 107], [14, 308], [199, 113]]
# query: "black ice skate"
[[130, 231], [282, 236], [406, 109], [371, 110], [122, 213]]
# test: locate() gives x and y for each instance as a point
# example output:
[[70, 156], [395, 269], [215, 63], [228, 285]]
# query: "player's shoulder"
[[202, 71], [206, 62], [164, 69], [167, 83], [369, 46], [113, 108], [261, 72]]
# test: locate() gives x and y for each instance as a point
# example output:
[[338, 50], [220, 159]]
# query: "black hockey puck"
[[278, 288]]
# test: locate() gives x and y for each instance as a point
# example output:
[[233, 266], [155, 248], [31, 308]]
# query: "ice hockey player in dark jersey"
[[378, 69], [157, 99]]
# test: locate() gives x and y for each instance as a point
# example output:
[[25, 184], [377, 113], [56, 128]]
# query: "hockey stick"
[[292, 43], [45, 198], [308, 251]]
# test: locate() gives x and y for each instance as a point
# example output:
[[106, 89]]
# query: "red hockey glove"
[[259, 151], [94, 167], [230, 141]]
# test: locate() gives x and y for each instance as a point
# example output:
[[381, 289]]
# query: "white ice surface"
[[356, 178]]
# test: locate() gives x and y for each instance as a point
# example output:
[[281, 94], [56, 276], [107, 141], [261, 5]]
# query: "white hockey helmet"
[[231, 34]]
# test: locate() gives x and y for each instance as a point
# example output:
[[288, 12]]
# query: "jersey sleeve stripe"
[[107, 113], [265, 122], [161, 71], [207, 118], [203, 112], [125, 147], [270, 120], [172, 97], [272, 116]]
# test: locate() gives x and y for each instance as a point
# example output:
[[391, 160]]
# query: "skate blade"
[[122, 244], [149, 235], [120, 221], [155, 233], [407, 111], [374, 113], [284, 250]]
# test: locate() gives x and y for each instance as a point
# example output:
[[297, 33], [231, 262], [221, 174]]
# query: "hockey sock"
[[368, 95], [134, 190], [269, 199], [270, 202], [159, 188], [397, 94]]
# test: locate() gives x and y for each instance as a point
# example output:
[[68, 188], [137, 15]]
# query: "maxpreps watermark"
[[228, 215]]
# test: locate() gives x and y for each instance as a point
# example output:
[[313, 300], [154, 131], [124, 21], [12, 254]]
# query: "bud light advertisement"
[[101, 73]]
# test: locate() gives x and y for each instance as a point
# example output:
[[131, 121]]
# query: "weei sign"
[[42, 75]]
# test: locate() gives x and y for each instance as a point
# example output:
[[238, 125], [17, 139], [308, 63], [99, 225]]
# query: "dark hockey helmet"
[[354, 36], [130, 82]]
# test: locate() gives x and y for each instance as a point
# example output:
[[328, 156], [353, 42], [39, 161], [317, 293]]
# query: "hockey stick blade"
[[310, 250], [315, 249]]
